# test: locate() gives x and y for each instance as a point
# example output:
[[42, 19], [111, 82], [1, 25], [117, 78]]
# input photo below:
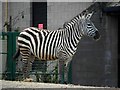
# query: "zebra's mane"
[[80, 16]]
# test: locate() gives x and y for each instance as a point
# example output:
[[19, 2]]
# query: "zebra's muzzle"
[[97, 36]]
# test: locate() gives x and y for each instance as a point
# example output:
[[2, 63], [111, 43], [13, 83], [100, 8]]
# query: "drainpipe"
[[6, 15]]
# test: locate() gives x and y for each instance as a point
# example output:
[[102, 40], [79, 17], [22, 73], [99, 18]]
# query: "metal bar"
[[9, 56], [14, 35], [6, 14], [3, 53], [70, 73], [11, 48]]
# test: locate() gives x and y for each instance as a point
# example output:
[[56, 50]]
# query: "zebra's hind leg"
[[26, 65], [66, 70]]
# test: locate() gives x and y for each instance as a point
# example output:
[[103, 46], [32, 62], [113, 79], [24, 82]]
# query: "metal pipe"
[[6, 14]]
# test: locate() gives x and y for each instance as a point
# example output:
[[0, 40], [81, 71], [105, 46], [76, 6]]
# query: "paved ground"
[[34, 86]]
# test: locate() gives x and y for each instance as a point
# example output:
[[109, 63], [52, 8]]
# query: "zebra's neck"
[[72, 33], [75, 24]]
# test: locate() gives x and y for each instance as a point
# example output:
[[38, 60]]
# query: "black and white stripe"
[[56, 44]]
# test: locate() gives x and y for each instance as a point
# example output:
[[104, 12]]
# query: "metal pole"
[[6, 14]]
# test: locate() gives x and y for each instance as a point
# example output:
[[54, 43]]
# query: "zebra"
[[55, 44]]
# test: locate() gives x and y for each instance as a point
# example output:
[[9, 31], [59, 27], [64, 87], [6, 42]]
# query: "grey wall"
[[88, 62], [16, 10], [60, 12], [0, 40], [111, 50], [94, 63]]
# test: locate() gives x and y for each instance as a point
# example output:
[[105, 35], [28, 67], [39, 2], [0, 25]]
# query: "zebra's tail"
[[16, 55]]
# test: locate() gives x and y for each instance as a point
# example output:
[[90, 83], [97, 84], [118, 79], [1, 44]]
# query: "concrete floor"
[[16, 85]]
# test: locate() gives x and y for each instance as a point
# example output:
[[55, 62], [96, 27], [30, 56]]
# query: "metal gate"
[[9, 38]]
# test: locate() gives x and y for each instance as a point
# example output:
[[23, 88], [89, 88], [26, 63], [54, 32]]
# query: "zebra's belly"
[[47, 57]]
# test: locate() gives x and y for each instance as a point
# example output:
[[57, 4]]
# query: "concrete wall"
[[111, 50], [97, 64], [0, 40], [17, 10], [94, 63], [84, 71], [60, 12], [90, 63]]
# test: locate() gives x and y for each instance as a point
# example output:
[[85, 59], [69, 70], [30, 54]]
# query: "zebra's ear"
[[89, 15]]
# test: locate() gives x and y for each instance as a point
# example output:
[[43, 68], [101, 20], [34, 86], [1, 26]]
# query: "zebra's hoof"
[[28, 80], [65, 82]]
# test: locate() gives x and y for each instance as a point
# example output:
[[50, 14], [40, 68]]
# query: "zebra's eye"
[[88, 24]]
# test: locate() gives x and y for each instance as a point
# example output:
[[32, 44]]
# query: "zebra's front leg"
[[63, 66], [66, 70], [61, 71]]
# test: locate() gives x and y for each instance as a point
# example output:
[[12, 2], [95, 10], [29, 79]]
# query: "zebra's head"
[[88, 27]]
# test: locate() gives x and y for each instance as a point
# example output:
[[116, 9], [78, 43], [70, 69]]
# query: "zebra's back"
[[41, 43]]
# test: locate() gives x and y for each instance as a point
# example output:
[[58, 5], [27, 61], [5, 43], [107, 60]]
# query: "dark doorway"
[[39, 14]]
